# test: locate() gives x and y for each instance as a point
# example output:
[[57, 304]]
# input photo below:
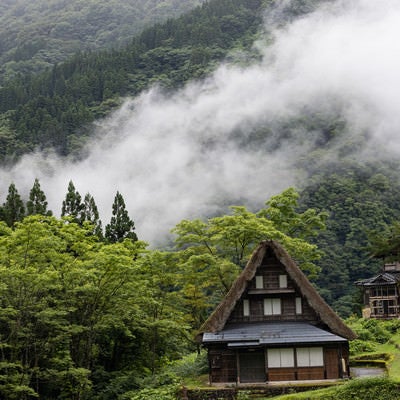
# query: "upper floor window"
[[282, 281], [246, 308], [272, 307], [299, 306], [259, 282]]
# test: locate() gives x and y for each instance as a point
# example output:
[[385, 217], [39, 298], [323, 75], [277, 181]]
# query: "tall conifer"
[[90, 213], [37, 203], [72, 205], [13, 209], [121, 226]]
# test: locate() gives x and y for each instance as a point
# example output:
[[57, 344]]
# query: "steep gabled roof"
[[219, 317], [385, 278]]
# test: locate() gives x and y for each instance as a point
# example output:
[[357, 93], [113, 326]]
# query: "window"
[[310, 357], [299, 306], [272, 307], [246, 308], [280, 358], [259, 282], [283, 281]]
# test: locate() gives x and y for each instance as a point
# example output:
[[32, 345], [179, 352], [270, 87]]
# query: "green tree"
[[212, 253], [282, 210], [13, 209], [37, 203], [121, 226], [69, 315], [72, 205], [385, 244], [90, 213]]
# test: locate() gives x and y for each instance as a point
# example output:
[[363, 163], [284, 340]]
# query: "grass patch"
[[358, 389]]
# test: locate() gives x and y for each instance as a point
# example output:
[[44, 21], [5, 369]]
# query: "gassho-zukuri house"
[[273, 326]]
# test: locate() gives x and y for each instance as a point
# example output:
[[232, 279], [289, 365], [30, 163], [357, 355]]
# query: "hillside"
[[35, 35], [53, 109], [241, 123], [285, 111]]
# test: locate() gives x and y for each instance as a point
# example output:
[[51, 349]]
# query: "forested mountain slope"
[[51, 109], [35, 35], [55, 110], [93, 316]]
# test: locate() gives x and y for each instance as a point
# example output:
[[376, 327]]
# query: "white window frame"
[[283, 281], [299, 306], [259, 282], [272, 306], [310, 356], [246, 308], [280, 358]]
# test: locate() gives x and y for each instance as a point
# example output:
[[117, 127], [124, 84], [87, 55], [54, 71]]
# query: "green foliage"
[[54, 108], [357, 389], [282, 211], [121, 226], [37, 203], [35, 35], [168, 392], [371, 333], [385, 243], [359, 346], [13, 209], [213, 252], [192, 365], [90, 214], [72, 205], [73, 306], [359, 199]]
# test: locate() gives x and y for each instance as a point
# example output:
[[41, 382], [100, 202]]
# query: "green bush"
[[361, 346], [373, 330], [357, 389], [368, 389], [168, 392], [191, 366]]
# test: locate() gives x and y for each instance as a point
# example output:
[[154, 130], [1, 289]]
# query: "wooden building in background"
[[273, 326], [381, 293]]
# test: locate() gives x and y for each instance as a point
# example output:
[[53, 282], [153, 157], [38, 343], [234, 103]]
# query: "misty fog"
[[185, 154]]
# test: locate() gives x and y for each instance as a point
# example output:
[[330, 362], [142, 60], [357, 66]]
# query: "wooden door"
[[252, 367], [332, 363]]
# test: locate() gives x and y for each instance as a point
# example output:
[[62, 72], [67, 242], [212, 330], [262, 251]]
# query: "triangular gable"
[[219, 317], [385, 279]]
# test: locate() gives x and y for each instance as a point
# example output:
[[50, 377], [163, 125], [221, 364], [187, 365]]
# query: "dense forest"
[[54, 109], [87, 315], [35, 35], [89, 310]]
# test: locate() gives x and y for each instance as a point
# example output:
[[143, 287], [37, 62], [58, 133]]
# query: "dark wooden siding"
[[281, 374], [222, 365], [270, 270], [310, 373]]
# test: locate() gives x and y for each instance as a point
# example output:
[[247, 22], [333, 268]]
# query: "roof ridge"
[[219, 317]]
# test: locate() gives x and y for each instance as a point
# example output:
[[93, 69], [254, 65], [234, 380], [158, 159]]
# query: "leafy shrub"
[[361, 346], [192, 365], [393, 325], [357, 389], [368, 389], [168, 392], [373, 330]]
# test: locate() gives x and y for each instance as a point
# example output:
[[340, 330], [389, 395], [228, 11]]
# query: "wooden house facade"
[[381, 295], [273, 326]]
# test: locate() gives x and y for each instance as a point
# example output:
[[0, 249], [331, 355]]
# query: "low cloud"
[[187, 154]]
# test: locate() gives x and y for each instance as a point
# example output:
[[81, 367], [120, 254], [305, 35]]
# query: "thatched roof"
[[219, 317]]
